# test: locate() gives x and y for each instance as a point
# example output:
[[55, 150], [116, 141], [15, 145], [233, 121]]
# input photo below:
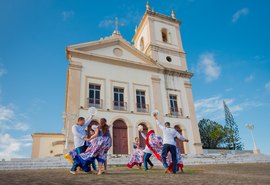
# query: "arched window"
[[164, 35], [142, 44]]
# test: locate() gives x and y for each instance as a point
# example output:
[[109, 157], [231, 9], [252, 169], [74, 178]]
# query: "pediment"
[[114, 47]]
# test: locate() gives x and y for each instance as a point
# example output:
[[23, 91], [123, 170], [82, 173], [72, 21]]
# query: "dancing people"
[[100, 145], [79, 134], [147, 155], [169, 144], [137, 155], [89, 144]]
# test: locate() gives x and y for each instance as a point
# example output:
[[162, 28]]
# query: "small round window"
[[117, 52], [169, 59]]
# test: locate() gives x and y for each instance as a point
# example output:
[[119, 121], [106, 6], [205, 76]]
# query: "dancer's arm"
[[88, 121], [143, 135], [137, 145], [94, 136], [75, 132], [179, 136], [158, 122]]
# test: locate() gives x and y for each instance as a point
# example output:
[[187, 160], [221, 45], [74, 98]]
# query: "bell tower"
[[158, 36]]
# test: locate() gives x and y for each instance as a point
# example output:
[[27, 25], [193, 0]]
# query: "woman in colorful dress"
[[100, 145], [137, 155], [155, 143]]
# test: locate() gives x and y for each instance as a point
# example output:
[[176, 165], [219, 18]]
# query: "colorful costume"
[[136, 157], [147, 155], [154, 142], [98, 150]]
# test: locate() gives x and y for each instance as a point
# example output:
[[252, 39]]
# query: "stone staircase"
[[60, 162]]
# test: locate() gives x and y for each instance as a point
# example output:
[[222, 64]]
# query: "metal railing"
[[175, 111], [120, 105], [142, 107], [93, 102]]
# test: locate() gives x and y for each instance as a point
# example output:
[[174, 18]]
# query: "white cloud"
[[242, 12], [249, 78], [209, 67], [67, 14], [11, 147], [267, 86], [132, 16], [9, 121], [21, 127], [3, 71], [6, 113], [212, 107], [108, 22]]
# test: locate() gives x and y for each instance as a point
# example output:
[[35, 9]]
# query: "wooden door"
[[145, 131], [179, 143], [120, 137]]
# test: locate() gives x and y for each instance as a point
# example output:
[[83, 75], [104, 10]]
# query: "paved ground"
[[208, 174]]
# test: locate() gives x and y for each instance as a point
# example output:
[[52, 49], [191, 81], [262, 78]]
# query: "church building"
[[126, 82]]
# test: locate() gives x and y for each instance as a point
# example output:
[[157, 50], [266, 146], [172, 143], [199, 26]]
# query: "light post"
[[66, 117], [250, 127]]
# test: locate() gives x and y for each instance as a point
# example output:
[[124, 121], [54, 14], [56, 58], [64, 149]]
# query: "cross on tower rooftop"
[[116, 31]]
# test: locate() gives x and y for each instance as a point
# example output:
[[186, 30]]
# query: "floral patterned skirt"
[[98, 150], [136, 158], [154, 142]]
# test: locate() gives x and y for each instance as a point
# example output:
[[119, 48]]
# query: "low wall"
[[225, 152]]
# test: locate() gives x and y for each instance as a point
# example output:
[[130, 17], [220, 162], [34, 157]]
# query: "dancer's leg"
[[79, 150], [94, 166], [145, 161], [174, 158], [105, 166], [164, 153], [149, 161], [99, 168]]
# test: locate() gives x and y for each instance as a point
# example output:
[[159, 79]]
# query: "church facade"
[[127, 82]]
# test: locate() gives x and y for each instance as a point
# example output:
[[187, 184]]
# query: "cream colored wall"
[[108, 51], [130, 78], [115, 76], [145, 33], [173, 41], [176, 59], [43, 144], [156, 84]]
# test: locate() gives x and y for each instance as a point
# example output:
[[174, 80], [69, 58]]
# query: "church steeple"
[[158, 36]]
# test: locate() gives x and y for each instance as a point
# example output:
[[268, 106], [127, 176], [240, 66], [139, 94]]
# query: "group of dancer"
[[95, 148], [165, 150], [87, 150]]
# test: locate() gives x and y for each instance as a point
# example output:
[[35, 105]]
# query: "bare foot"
[[166, 170], [79, 168], [72, 172]]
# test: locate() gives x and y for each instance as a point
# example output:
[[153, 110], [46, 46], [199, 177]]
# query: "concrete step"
[[60, 162]]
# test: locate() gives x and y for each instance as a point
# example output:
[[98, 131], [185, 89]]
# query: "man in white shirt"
[[169, 144], [147, 155], [79, 134]]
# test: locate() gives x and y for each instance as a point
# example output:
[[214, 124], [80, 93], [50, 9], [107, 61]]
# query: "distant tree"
[[233, 140], [212, 134]]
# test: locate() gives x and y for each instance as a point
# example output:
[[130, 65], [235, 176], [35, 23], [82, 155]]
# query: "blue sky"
[[226, 41]]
